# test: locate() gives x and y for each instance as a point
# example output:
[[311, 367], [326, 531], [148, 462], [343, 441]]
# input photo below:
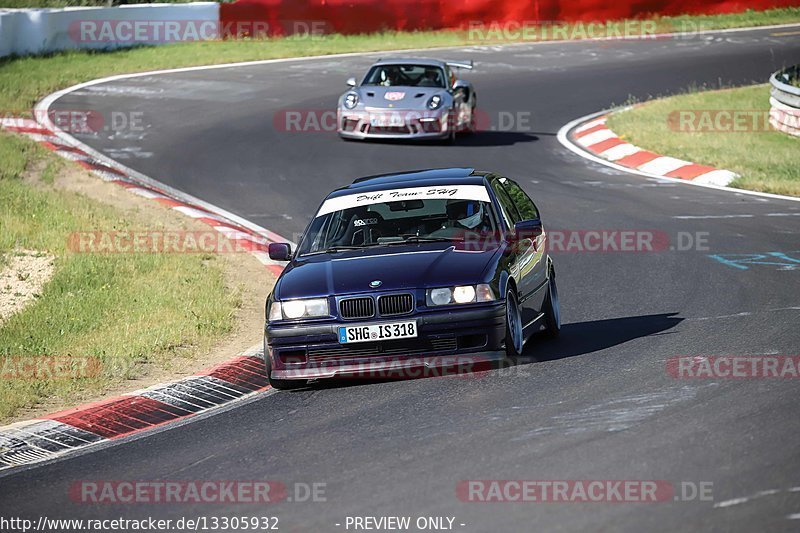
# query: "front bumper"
[[421, 125], [465, 338]]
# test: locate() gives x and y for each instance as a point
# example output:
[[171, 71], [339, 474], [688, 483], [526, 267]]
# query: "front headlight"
[[351, 100], [294, 309], [463, 294], [435, 102]]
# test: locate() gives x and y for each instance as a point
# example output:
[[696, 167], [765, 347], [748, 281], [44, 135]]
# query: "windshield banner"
[[447, 192]]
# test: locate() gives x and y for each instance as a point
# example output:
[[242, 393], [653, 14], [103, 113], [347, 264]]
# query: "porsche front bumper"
[[394, 124]]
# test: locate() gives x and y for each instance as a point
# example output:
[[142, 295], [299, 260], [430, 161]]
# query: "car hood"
[[398, 97], [398, 268]]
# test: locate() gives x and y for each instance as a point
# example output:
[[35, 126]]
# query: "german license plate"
[[377, 332], [387, 121]]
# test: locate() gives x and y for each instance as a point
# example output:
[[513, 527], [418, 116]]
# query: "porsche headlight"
[[351, 100], [435, 102], [463, 294], [294, 309]]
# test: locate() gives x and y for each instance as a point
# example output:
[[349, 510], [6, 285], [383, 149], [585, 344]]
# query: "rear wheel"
[[472, 127], [552, 308], [514, 340], [450, 139]]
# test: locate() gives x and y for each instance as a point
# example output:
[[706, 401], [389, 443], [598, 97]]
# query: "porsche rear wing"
[[461, 64]]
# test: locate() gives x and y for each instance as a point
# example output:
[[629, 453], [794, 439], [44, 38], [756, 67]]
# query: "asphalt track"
[[595, 404]]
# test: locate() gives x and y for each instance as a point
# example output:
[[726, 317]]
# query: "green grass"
[[25, 80], [766, 160], [122, 310]]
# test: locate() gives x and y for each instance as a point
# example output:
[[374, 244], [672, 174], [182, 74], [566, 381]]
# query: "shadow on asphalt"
[[582, 338], [576, 339], [482, 138], [495, 138]]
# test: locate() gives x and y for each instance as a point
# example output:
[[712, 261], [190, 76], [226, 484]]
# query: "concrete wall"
[[36, 31]]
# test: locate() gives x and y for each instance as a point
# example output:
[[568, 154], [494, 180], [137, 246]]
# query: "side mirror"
[[280, 251], [527, 229], [460, 84], [351, 82]]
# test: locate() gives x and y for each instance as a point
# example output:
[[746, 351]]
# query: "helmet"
[[467, 213]]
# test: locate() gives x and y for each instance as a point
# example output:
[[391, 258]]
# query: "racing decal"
[[454, 192], [394, 96]]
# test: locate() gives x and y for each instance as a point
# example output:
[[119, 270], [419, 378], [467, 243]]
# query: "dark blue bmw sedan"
[[411, 271]]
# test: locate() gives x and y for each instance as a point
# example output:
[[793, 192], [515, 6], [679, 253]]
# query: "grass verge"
[[118, 311], [24, 80], [765, 159]]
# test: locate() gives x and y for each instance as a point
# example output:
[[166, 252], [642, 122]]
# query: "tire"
[[552, 309], [450, 140], [280, 384], [514, 336], [472, 128]]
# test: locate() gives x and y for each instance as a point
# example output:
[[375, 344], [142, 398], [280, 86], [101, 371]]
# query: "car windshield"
[[398, 222], [406, 76]]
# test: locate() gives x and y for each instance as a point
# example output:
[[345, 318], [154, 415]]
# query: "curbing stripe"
[[595, 136], [638, 159], [619, 151], [712, 179], [604, 146], [61, 433], [663, 165], [690, 171]]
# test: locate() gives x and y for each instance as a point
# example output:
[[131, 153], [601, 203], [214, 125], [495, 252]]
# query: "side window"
[[525, 206], [510, 212]]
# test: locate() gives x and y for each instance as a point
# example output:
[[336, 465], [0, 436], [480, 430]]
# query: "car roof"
[[416, 178], [411, 61]]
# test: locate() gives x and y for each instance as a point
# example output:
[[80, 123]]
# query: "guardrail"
[[784, 114]]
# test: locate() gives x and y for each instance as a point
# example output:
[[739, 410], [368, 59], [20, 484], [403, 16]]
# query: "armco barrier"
[[36, 31], [784, 114], [363, 16]]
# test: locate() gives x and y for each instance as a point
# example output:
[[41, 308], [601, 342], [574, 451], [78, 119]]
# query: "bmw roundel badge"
[[375, 284]]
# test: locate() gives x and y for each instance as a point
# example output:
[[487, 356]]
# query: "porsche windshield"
[[405, 76], [398, 222]]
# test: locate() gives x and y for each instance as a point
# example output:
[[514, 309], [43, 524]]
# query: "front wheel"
[[552, 309], [514, 339]]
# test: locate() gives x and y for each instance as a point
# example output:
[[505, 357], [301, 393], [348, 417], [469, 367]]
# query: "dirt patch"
[[244, 275], [22, 278]]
